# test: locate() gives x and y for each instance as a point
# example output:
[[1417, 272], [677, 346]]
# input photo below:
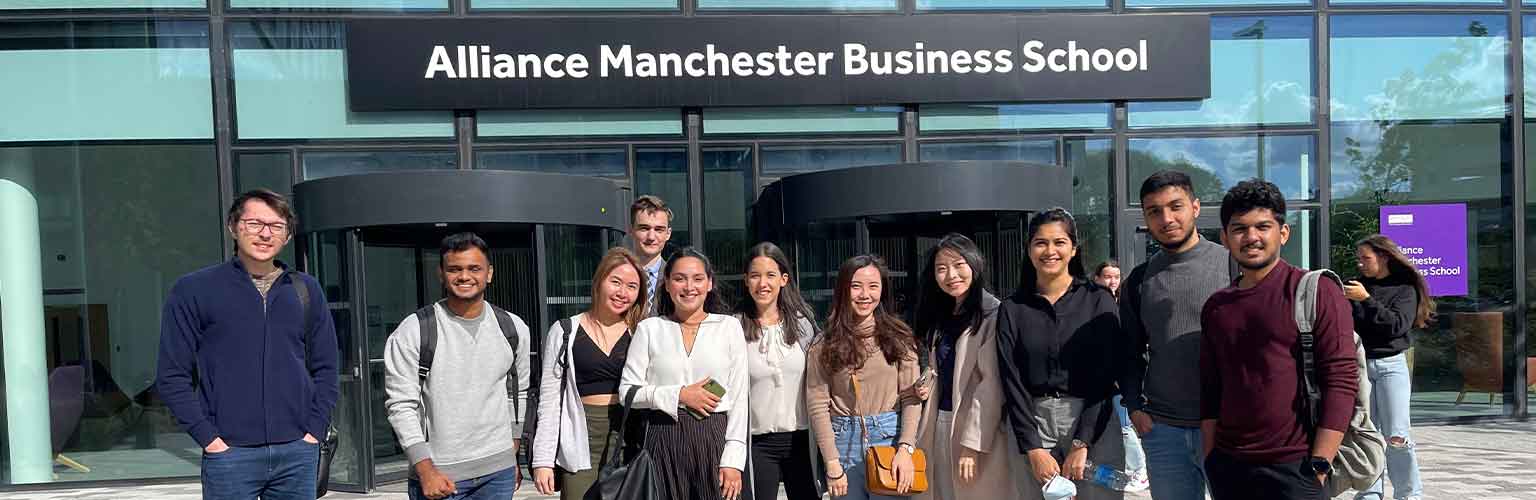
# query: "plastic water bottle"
[[1107, 476]]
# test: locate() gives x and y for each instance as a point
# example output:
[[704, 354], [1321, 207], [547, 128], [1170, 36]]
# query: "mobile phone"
[[927, 374], [712, 387]]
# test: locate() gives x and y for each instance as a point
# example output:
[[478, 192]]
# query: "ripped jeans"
[[1391, 387], [849, 435]]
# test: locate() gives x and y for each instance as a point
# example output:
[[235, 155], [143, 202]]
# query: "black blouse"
[[1053, 350], [598, 373]]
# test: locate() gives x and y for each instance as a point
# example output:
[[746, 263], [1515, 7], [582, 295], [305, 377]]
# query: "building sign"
[[415, 64], [1434, 237]]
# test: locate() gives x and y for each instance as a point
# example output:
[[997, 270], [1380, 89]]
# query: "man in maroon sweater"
[[1258, 444]]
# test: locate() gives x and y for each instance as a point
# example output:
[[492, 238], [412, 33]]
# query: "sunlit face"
[[466, 273], [1170, 216], [952, 273], [619, 289], [1051, 249], [1369, 263], [764, 280], [1255, 238], [1109, 277], [260, 233], [864, 292], [689, 284], [651, 230]]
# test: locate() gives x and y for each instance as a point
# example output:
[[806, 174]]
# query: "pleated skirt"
[[687, 454]]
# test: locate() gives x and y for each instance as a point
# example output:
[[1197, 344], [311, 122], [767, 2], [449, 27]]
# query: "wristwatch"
[[912, 450], [1319, 465], [1078, 444]]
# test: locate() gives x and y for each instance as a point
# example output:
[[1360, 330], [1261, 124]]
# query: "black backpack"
[[426, 319]]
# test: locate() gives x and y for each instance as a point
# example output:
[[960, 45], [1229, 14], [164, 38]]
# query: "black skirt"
[[686, 452]]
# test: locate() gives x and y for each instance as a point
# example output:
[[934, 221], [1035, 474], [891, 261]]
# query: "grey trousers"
[[1055, 418]]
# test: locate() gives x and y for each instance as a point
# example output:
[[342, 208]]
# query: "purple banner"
[[1434, 237]]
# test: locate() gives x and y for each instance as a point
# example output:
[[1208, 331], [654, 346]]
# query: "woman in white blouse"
[[698, 440], [778, 330]]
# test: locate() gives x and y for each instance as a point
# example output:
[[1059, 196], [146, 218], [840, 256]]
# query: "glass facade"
[[136, 123]]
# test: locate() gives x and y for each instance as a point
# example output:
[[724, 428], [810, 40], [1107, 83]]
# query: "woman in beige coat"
[[961, 429]]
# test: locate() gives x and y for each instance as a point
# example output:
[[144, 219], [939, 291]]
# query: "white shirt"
[[777, 371], [660, 367]]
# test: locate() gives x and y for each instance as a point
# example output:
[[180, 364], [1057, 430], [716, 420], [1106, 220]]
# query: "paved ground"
[[1495, 461]]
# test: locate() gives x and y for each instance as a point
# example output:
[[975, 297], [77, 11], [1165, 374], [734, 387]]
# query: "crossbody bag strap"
[[629, 404], [853, 381]]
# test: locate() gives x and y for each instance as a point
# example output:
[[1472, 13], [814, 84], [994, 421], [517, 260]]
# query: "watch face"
[[1320, 466]]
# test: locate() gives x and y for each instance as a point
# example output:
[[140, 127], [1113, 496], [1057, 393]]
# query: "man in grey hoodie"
[[1160, 309], [458, 417]]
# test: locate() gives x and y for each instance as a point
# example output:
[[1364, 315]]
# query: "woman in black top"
[[1057, 343], [1389, 300]]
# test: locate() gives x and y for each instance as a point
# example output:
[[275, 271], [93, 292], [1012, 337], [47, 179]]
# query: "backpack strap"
[[509, 330], [1305, 314], [426, 320], [301, 288]]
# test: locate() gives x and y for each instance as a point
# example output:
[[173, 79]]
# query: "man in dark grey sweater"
[[1160, 315]]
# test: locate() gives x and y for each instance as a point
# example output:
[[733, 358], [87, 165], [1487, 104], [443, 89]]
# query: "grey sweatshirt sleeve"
[[524, 374], [402, 390]]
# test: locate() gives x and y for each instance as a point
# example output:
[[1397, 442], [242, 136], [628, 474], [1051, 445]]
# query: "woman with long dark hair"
[[860, 375], [698, 439], [1059, 333], [583, 359], [961, 425], [778, 329], [1389, 300]]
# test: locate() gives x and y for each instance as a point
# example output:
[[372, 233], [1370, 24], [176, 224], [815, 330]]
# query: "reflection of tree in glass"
[[1209, 187]]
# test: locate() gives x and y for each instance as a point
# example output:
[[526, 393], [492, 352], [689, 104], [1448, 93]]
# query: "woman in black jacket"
[[1389, 300]]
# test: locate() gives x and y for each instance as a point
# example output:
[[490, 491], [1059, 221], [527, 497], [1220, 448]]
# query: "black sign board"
[[773, 60]]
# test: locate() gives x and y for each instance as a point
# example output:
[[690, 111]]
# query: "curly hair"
[[1250, 195], [841, 345]]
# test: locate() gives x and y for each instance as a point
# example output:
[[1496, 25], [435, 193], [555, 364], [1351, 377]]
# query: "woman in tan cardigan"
[[961, 428]]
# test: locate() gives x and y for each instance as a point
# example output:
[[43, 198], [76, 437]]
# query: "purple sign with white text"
[[1434, 237]]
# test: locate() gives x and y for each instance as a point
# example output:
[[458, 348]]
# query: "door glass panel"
[[906, 239], [328, 263], [820, 248]]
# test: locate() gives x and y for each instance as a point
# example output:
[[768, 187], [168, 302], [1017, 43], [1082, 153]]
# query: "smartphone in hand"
[[714, 388]]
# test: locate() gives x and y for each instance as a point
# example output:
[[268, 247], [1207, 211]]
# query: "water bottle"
[[1107, 476]]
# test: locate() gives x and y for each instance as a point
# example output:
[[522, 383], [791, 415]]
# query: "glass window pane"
[[102, 4], [602, 162], [1463, 350], [117, 226], [782, 160], [962, 117], [1215, 164], [798, 4], [571, 255], [663, 172], [1036, 150], [1416, 2], [806, 120], [341, 4], [272, 171], [1212, 3], [1261, 73], [728, 194], [541, 123], [290, 83], [1090, 161], [1442, 66], [91, 80], [319, 165], [573, 4], [1528, 44], [1008, 4]]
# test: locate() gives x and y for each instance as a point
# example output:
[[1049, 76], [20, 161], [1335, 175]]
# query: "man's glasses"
[[253, 226]]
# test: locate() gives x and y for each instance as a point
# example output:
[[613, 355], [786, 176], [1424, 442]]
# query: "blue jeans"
[[1135, 459], [494, 486], [273, 472], [1175, 466], [1391, 388], [849, 436]]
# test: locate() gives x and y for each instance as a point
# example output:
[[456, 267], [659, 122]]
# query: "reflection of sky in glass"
[[1199, 3], [318, 165], [1440, 66], [799, 4], [957, 117], [604, 162], [1008, 4], [1261, 72], [340, 4], [1039, 151], [1418, 161], [1226, 161], [1529, 43], [573, 4], [579, 122], [802, 120], [786, 160]]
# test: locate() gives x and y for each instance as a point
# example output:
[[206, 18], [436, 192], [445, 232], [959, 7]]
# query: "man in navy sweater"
[[248, 365]]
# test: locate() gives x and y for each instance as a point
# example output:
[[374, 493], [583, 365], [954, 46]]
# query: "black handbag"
[[327, 452], [634, 479]]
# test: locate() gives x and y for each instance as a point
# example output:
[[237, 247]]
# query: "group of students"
[[1008, 397]]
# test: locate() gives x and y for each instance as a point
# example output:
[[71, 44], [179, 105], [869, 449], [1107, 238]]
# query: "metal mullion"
[[1322, 114], [1517, 186], [223, 129], [909, 132], [693, 126], [1118, 171], [541, 273], [464, 130]]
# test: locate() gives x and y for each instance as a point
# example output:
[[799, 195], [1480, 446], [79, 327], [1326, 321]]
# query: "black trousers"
[[783, 457], [1233, 479]]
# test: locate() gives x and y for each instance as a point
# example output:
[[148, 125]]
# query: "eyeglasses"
[[253, 226]]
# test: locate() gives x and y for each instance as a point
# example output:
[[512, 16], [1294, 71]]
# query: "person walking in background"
[[1057, 335], [860, 378], [1107, 275], [248, 361], [456, 378], [778, 328], [962, 428], [650, 227], [1258, 444], [1387, 302], [583, 360], [691, 358], [1160, 316]]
